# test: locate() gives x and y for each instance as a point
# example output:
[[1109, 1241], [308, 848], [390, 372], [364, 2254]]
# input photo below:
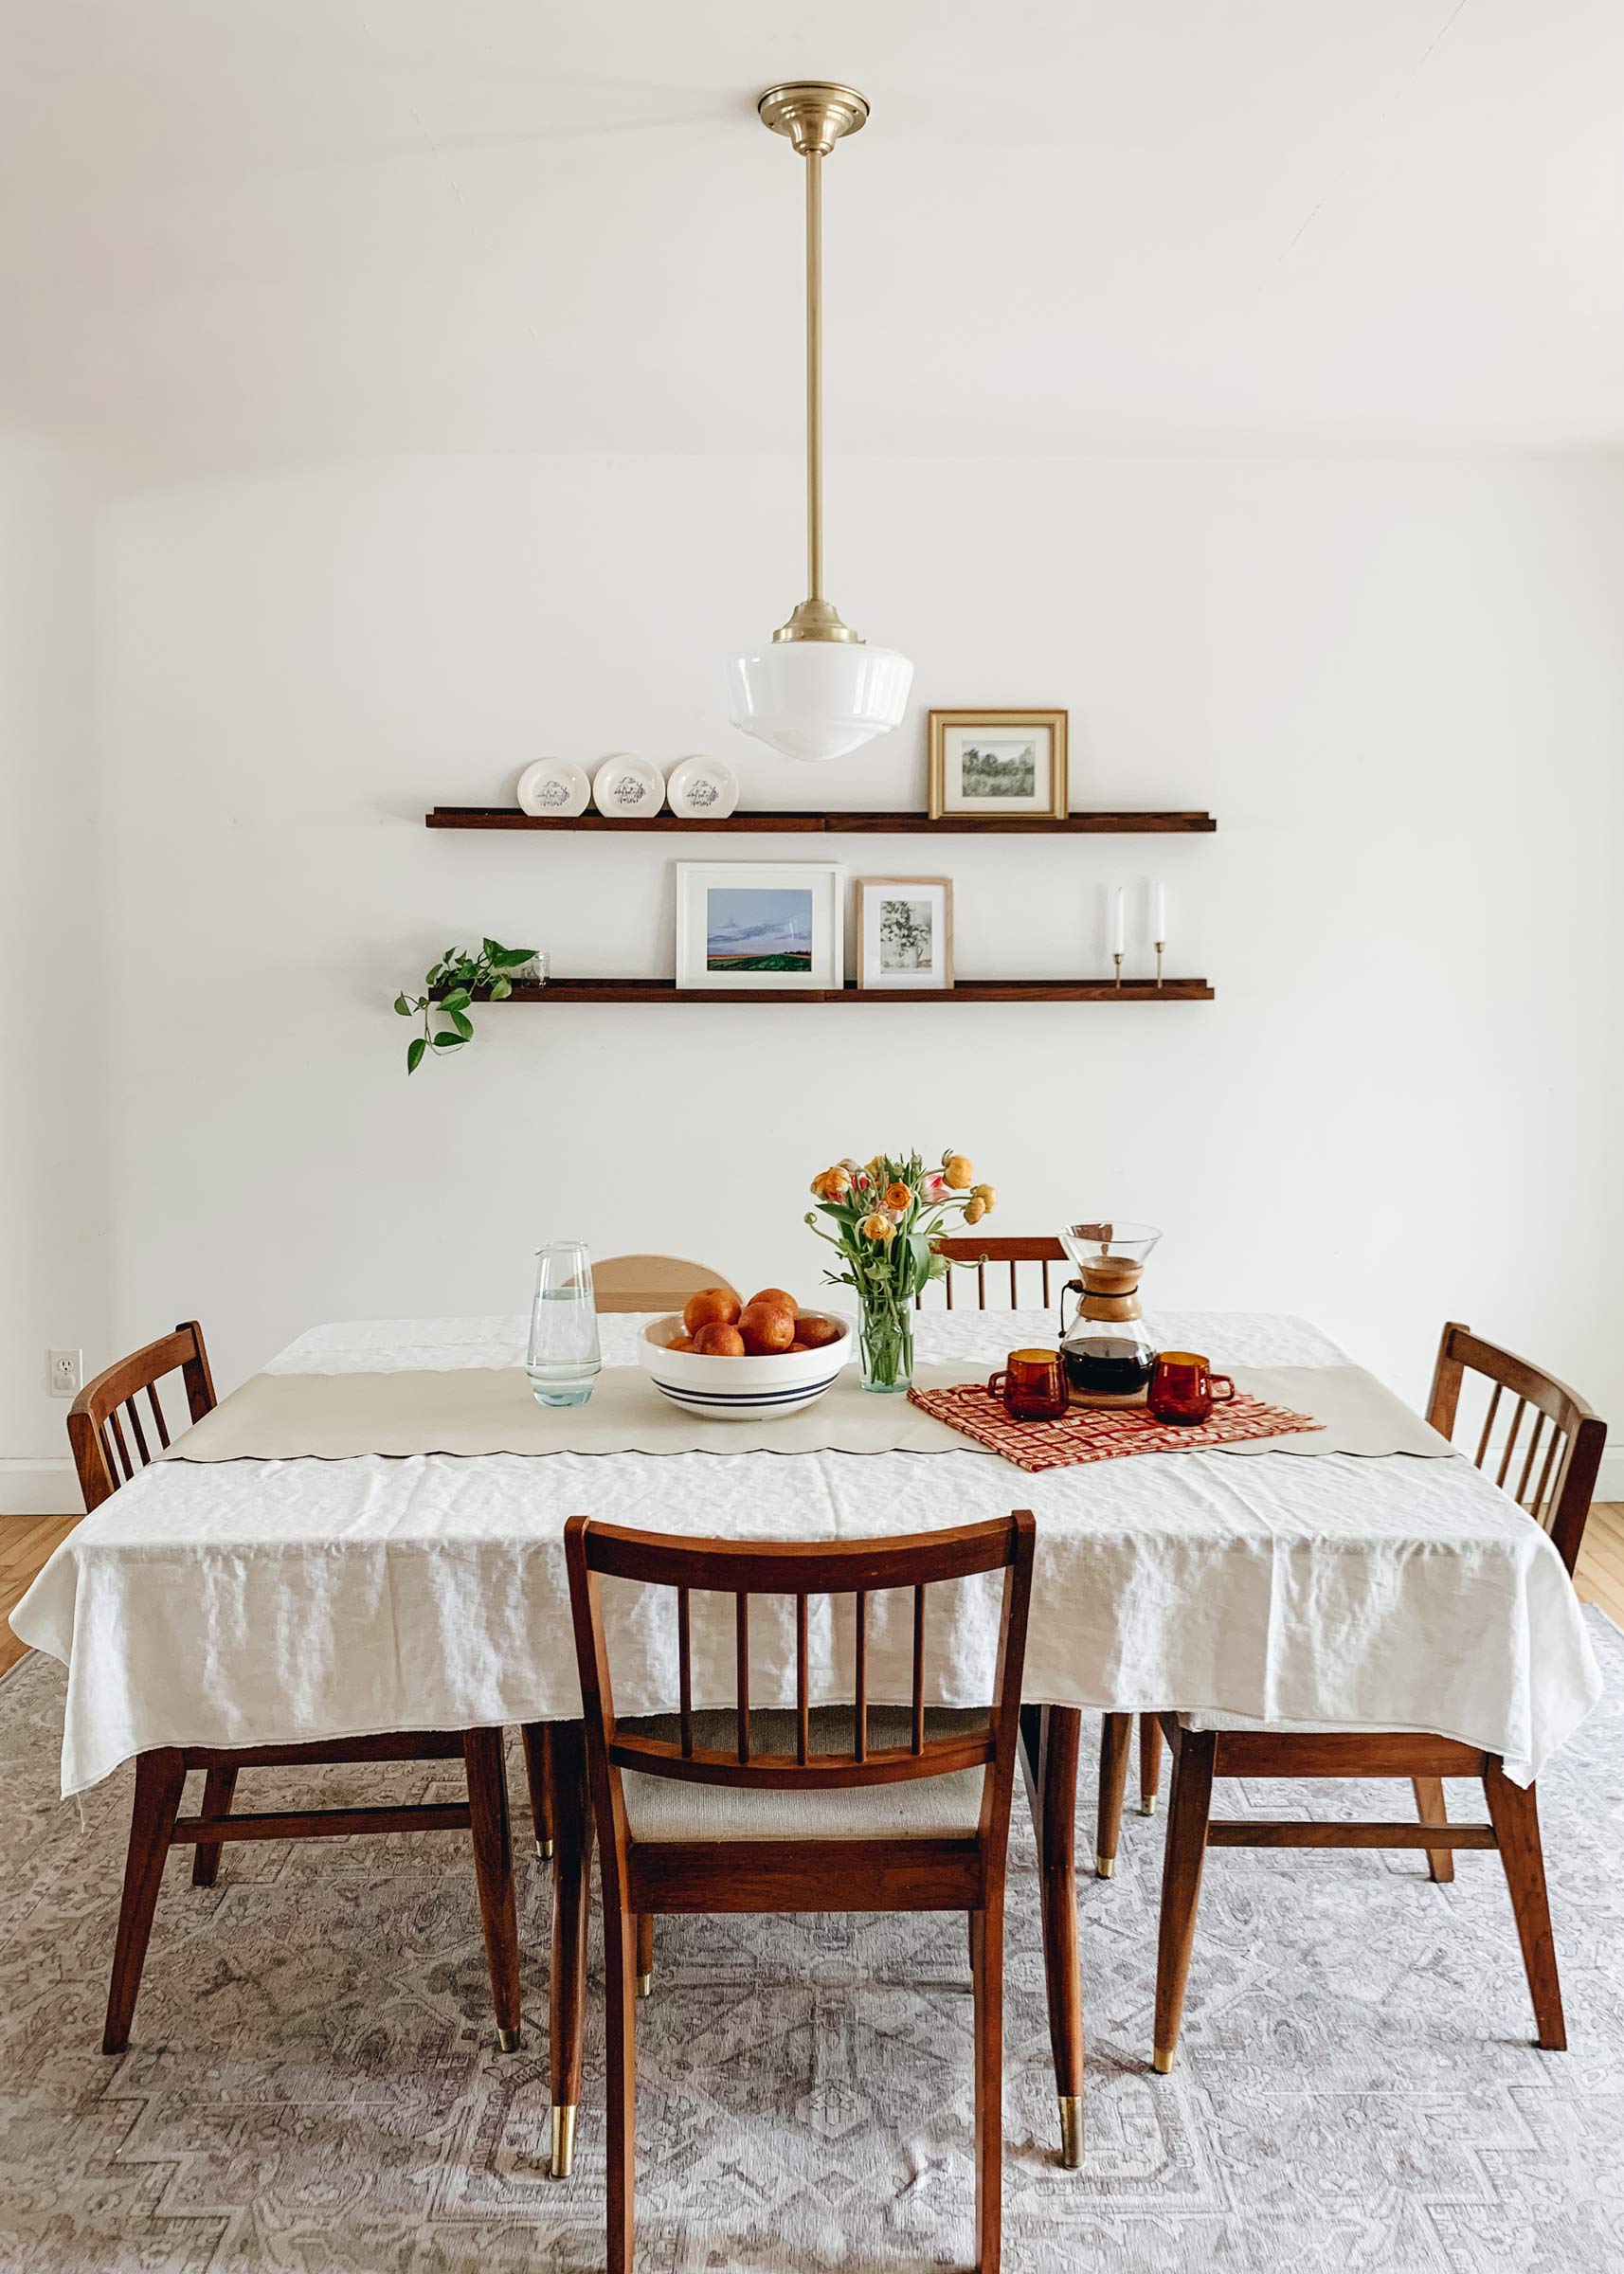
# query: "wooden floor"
[[26, 1545], [1600, 1575], [25, 1542]]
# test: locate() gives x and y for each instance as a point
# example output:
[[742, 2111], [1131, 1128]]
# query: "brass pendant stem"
[[814, 374], [813, 114]]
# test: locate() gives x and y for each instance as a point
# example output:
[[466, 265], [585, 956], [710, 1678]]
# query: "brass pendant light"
[[819, 692]]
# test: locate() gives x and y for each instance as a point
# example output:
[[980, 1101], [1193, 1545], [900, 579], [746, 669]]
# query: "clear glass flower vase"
[[885, 1341]]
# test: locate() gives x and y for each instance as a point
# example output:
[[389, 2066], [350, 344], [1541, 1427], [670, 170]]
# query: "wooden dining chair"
[[624, 1283], [619, 1284], [703, 1816], [1554, 1486], [109, 1436]]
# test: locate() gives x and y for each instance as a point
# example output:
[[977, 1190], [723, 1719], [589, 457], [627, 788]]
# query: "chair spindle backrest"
[[964, 1249], [836, 1569], [1555, 1465], [105, 1457]]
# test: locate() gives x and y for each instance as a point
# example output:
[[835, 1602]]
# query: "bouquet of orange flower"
[[887, 1216]]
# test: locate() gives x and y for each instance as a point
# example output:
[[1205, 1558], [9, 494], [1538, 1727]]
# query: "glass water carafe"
[[563, 1360], [1108, 1354]]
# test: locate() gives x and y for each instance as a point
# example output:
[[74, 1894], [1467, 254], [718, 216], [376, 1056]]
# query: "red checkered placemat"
[[1100, 1432]]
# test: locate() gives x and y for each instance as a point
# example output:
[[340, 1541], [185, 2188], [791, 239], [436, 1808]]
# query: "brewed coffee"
[[1099, 1365]]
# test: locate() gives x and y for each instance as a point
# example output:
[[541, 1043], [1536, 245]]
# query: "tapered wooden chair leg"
[[645, 1954], [571, 1901], [1515, 1816], [1117, 1735], [619, 1955], [1432, 1808], [1189, 1806], [219, 1786], [1150, 1762], [494, 1874], [1059, 1744], [538, 1777], [160, 1778], [987, 1977]]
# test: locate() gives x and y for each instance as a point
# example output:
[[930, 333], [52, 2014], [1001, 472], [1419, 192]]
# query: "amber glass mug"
[[1184, 1388], [1032, 1385]]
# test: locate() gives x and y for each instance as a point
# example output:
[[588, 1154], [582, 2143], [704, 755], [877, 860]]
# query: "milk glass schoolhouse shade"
[[815, 689], [814, 699]]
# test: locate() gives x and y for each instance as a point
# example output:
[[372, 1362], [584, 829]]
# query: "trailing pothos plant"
[[449, 986]]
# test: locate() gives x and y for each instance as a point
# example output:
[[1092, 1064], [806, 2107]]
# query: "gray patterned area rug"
[[312, 2085]]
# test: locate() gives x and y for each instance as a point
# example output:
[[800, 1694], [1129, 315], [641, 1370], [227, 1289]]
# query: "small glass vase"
[[885, 1339]]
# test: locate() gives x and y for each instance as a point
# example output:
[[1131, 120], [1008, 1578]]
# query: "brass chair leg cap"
[[646, 1985], [544, 1848], [1148, 1805], [1071, 2131], [1105, 1866], [508, 2040], [563, 2142], [1161, 2060]]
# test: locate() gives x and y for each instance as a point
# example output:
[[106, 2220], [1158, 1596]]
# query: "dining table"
[[270, 1602]]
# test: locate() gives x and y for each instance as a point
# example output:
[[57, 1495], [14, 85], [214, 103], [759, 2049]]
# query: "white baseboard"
[[38, 1489], [1609, 1483]]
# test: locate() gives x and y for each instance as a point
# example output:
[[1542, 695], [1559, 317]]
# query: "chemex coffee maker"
[[1107, 1355]]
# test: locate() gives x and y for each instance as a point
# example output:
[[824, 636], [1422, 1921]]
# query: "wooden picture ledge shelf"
[[967, 991], [832, 824]]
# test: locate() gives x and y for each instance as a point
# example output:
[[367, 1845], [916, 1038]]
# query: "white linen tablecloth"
[[267, 1603]]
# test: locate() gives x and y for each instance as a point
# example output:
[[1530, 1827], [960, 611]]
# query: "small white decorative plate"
[[702, 789], [554, 788], [627, 789]]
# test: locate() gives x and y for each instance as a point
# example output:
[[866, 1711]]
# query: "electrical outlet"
[[67, 1372]]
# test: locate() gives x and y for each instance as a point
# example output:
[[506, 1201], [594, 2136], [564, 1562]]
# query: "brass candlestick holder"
[[1116, 958], [1159, 945]]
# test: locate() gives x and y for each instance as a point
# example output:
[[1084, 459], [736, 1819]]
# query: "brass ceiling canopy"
[[814, 113]]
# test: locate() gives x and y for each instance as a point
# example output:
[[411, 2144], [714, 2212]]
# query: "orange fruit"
[[813, 1331], [766, 1329], [712, 1305], [716, 1339], [794, 1347], [776, 1296], [683, 1341]]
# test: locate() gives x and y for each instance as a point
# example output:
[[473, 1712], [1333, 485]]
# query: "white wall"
[[54, 1249], [1397, 684]]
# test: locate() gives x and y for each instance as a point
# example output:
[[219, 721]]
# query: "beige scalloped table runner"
[[472, 1410]]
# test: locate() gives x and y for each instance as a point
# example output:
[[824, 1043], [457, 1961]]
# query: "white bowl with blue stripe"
[[740, 1389]]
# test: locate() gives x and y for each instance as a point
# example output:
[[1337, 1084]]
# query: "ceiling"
[[270, 227]]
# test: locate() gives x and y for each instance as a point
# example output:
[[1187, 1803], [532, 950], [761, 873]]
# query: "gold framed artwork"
[[998, 762], [905, 932]]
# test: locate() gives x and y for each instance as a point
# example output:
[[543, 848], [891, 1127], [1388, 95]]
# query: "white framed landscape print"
[[763, 924], [905, 932], [998, 762]]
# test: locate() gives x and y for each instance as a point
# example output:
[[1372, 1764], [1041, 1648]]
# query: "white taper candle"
[[1159, 913], [1118, 936]]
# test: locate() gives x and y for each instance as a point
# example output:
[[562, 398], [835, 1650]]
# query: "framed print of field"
[[905, 932], [987, 762], [759, 924]]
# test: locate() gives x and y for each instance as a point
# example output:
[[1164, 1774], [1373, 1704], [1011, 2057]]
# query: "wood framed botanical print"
[[905, 932], [759, 924], [998, 762]]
